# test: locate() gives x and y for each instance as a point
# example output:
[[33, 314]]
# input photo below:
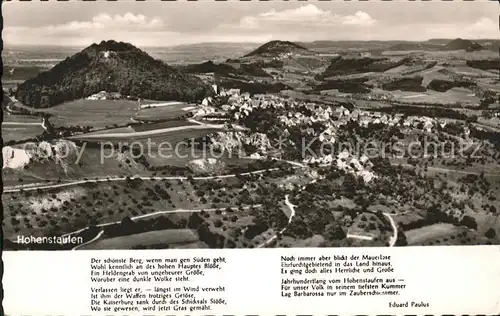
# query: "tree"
[[334, 232], [490, 233], [372, 226], [401, 241], [349, 185], [493, 209], [469, 222]]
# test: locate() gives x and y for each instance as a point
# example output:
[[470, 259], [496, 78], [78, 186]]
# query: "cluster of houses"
[[331, 118], [348, 162], [103, 95]]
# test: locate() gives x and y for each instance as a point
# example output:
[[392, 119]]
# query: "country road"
[[30, 187], [21, 124]]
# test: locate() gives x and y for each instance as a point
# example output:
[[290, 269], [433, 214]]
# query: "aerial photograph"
[[250, 125]]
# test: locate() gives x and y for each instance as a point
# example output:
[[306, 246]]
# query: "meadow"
[[443, 234], [98, 114], [20, 132]]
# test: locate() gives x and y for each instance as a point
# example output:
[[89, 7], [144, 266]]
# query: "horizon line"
[[6, 45]]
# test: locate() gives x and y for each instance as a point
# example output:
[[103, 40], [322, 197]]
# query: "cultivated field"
[[443, 234], [20, 132], [97, 114]]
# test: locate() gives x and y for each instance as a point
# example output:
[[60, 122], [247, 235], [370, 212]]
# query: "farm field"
[[100, 114], [17, 118], [452, 96], [16, 177], [20, 132], [97, 114], [443, 234]]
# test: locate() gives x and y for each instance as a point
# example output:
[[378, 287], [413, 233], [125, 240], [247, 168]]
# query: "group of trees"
[[346, 86], [442, 85], [413, 84], [346, 66]]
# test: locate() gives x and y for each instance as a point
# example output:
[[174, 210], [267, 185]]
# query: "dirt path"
[[394, 238], [362, 237]]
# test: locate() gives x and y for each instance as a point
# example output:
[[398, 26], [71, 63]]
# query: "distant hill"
[[275, 48], [209, 67], [463, 44], [110, 66], [414, 46], [328, 46]]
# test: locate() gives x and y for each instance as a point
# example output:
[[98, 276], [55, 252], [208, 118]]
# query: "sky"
[[155, 23]]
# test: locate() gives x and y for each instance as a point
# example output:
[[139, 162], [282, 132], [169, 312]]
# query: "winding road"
[[394, 237]]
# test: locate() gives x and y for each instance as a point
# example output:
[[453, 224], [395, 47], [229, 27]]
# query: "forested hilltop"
[[110, 66]]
